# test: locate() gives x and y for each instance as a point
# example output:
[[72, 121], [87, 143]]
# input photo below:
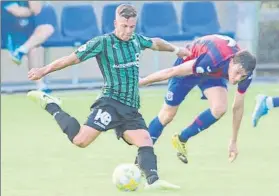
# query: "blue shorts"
[[179, 87]]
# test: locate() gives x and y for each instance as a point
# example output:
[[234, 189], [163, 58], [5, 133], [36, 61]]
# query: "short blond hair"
[[127, 11]]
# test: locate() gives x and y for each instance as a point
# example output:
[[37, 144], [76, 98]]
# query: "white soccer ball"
[[127, 177]]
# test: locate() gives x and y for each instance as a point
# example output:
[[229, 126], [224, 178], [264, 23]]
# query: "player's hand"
[[233, 152], [183, 52], [35, 74]]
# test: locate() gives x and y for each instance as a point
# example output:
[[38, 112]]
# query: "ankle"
[[152, 179], [269, 102], [181, 139], [52, 108]]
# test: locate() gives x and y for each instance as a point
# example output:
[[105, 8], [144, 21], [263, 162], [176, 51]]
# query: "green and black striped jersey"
[[119, 63]]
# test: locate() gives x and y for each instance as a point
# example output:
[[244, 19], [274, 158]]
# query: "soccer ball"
[[126, 177]]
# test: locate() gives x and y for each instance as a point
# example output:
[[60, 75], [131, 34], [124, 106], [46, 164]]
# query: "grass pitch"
[[38, 160]]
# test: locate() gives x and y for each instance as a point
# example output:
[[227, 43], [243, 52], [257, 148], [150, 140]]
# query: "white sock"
[[269, 103], [23, 49]]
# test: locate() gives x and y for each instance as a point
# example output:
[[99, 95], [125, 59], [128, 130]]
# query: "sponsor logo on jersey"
[[130, 64]]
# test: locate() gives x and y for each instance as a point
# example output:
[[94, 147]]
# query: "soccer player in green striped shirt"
[[117, 54]]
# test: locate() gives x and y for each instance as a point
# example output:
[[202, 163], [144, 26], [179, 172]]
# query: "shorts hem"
[[96, 127]]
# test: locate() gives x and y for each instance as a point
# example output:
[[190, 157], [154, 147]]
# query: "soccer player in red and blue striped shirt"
[[215, 60]]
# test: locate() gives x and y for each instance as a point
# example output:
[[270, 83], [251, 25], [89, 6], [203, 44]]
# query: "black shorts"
[[107, 113]]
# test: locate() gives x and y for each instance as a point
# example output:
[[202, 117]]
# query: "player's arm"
[[16, 10], [162, 45], [61, 63], [200, 65], [84, 52], [238, 110], [238, 105], [183, 69], [159, 44]]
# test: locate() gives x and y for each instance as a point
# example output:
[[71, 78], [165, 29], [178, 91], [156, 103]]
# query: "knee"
[[166, 116], [139, 137], [80, 143], [45, 29], [146, 139], [49, 28], [218, 111], [82, 136]]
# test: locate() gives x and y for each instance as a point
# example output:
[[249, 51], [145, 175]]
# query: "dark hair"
[[127, 11], [246, 59]]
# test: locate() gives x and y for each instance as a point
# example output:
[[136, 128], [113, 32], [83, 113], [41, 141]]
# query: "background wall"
[[233, 16]]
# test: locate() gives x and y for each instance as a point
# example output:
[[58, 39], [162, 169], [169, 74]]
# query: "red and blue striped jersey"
[[213, 54]]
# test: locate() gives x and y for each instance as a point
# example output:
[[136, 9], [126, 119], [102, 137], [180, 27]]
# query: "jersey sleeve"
[[145, 42], [90, 49], [243, 85]]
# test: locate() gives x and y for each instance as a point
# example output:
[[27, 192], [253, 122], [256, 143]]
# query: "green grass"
[[38, 160]]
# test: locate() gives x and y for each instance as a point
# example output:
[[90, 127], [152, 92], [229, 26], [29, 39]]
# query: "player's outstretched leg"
[[69, 125], [181, 148], [157, 125], [263, 105], [202, 122], [147, 159], [272, 102], [217, 97], [155, 129], [165, 116]]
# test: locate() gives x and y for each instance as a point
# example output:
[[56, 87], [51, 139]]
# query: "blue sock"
[[155, 129], [202, 122], [275, 101]]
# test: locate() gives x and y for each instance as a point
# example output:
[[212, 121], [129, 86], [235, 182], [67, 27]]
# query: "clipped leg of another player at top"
[[39, 36], [263, 105]]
